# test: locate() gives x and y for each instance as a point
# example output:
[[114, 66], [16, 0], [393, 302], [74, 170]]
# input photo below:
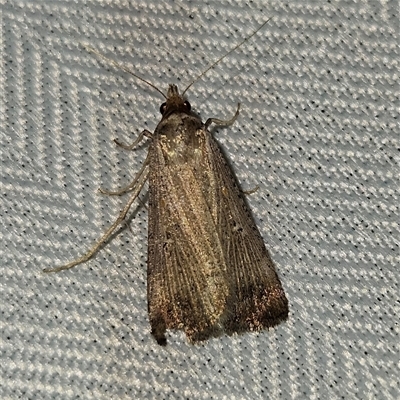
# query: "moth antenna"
[[227, 54], [109, 60]]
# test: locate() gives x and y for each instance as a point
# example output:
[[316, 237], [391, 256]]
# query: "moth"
[[209, 272]]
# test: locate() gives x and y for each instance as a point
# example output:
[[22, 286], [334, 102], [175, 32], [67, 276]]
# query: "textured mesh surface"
[[318, 133]]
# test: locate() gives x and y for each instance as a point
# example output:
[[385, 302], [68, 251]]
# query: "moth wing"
[[257, 299], [188, 285]]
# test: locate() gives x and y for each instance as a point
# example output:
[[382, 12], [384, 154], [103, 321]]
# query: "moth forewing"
[[260, 301]]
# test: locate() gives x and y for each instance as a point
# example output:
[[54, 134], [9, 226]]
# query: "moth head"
[[175, 103]]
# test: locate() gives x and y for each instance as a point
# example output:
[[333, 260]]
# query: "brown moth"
[[209, 272]]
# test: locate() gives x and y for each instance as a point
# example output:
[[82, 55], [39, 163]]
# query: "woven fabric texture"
[[318, 133]]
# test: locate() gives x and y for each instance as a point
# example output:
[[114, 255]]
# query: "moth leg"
[[251, 191], [128, 188], [136, 142], [121, 217], [217, 121]]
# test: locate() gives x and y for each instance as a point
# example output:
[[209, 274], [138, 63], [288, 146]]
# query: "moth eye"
[[187, 105], [163, 107]]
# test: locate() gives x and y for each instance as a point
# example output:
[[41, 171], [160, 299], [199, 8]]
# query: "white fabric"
[[318, 133]]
